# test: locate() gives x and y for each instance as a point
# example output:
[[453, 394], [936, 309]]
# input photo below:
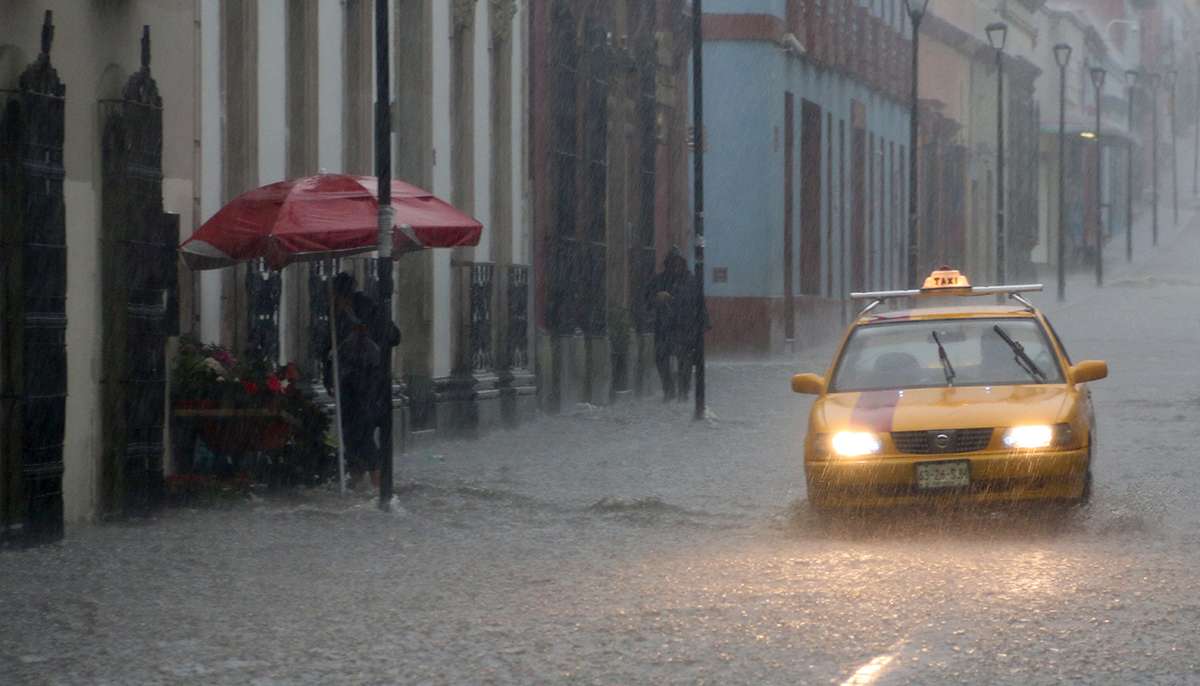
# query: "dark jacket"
[[680, 319], [364, 337]]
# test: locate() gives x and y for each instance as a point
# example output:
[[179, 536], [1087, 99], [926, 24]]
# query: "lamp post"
[[1196, 163], [1098, 82], [383, 170], [997, 33], [916, 12], [1152, 81], [1131, 76], [698, 181], [1062, 55], [1172, 79]]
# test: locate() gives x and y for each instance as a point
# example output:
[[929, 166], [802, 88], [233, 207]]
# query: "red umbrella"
[[315, 217]]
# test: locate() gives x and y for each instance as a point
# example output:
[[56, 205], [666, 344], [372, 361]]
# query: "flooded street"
[[628, 545]]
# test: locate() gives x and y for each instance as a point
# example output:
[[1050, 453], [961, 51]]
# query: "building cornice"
[[974, 48], [766, 28], [501, 22]]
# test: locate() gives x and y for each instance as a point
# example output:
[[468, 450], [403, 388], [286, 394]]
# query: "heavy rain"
[[595, 467]]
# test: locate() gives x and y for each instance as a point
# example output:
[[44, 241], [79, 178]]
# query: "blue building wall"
[[745, 86]]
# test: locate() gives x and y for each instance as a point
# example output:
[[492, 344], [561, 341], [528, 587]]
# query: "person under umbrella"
[[320, 218], [364, 337]]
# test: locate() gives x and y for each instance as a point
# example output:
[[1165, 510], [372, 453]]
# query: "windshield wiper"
[[946, 366], [1022, 358]]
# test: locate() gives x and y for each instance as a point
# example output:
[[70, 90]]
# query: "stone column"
[[303, 124], [517, 387], [414, 163], [472, 383], [360, 93], [239, 77]]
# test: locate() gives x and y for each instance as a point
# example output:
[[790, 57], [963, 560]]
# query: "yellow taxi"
[[974, 402]]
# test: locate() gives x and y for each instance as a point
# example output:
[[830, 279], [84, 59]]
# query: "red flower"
[[274, 385], [250, 387]]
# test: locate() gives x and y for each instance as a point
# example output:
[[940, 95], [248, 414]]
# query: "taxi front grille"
[[941, 441]]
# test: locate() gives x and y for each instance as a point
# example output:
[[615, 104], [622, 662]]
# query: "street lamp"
[[1172, 78], [1098, 74], [1196, 164], [383, 170], [997, 33], [916, 12], [1062, 55], [1131, 76]]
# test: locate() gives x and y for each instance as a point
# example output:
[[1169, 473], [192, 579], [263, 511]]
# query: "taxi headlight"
[[1029, 437], [854, 444]]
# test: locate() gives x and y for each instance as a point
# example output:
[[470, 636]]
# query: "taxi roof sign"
[[946, 281], [945, 278]]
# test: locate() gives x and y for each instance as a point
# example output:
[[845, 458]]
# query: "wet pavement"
[[628, 545]]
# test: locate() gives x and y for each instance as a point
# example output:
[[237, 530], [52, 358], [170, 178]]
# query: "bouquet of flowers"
[[209, 377]]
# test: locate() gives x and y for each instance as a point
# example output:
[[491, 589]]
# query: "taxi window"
[[1057, 340], [905, 355]]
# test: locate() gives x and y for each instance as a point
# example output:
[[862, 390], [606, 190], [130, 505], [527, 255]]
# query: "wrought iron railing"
[[138, 281], [481, 354], [263, 291], [319, 274], [517, 343], [33, 371]]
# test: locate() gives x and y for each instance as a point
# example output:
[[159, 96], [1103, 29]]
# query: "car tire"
[[1085, 498]]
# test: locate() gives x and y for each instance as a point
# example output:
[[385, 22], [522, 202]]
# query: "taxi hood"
[[919, 409]]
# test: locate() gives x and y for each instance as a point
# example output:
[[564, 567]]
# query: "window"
[[905, 355]]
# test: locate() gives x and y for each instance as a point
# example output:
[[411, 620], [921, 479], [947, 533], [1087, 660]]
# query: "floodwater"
[[628, 545]]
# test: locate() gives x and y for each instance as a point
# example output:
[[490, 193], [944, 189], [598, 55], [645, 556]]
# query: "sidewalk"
[[1081, 285]]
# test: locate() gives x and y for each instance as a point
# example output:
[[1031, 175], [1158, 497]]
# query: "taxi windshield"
[[944, 352]]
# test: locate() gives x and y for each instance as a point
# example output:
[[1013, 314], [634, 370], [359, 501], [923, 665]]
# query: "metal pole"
[[1000, 238], [1154, 159], [1129, 183], [337, 385], [383, 171], [913, 131], [698, 161], [1099, 193], [1196, 133], [1062, 183], [1174, 158]]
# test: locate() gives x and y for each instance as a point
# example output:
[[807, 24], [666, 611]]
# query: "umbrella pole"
[[337, 388]]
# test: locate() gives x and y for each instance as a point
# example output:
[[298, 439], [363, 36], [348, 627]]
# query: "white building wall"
[[482, 123], [272, 118], [212, 123], [331, 45], [442, 183], [521, 243]]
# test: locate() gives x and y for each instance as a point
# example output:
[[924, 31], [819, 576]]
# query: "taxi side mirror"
[[1089, 370], [808, 384]]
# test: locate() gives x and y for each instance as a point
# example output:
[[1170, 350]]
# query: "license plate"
[[934, 475]]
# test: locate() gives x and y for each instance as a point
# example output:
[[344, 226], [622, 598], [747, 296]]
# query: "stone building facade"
[[608, 157], [808, 113], [287, 89], [98, 167]]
